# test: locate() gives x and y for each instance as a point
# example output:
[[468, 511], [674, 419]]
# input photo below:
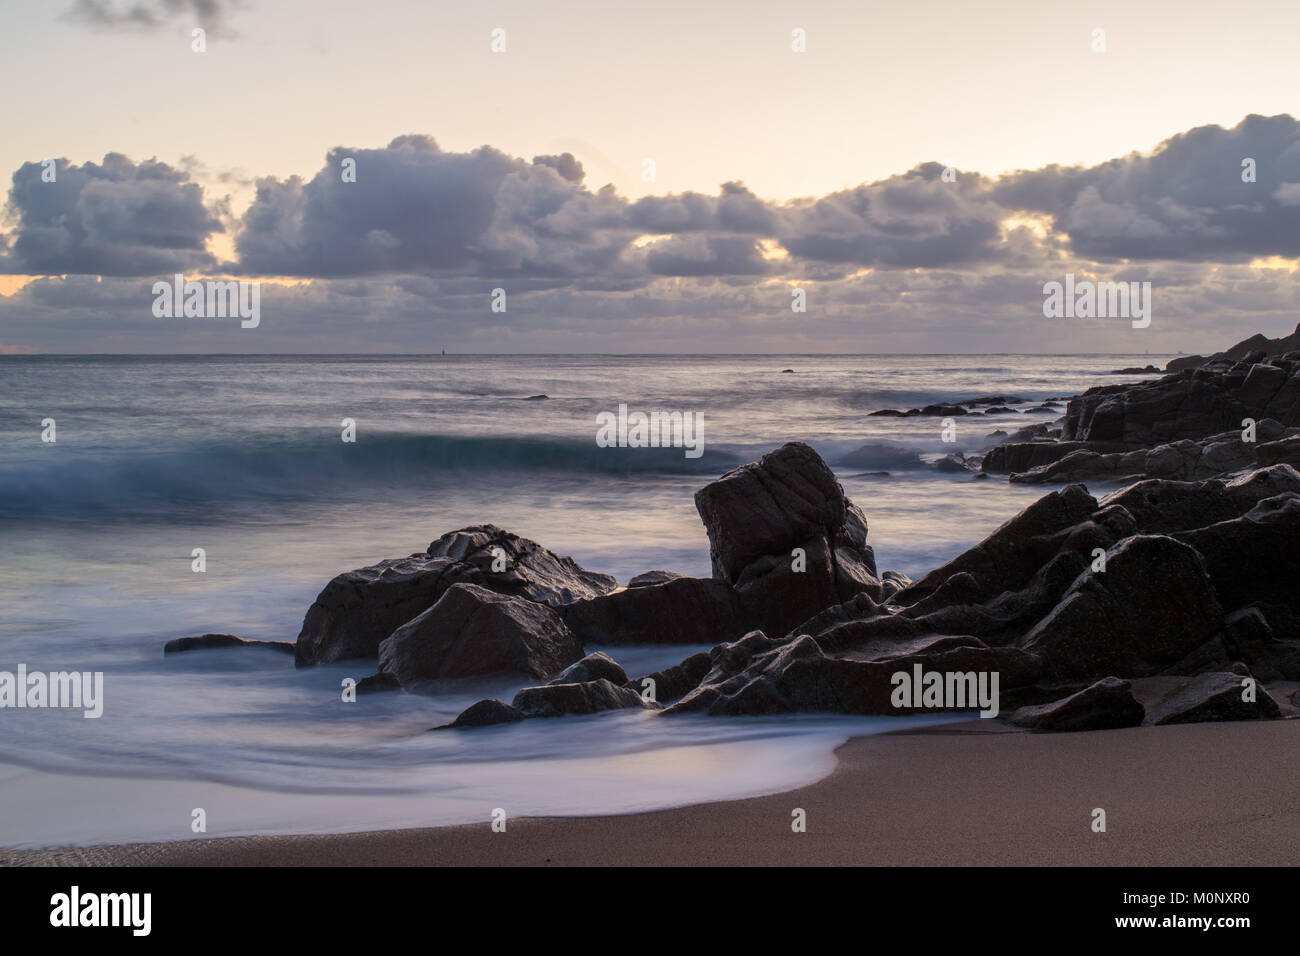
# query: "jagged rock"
[[206, 641], [1254, 557], [757, 675], [646, 578], [556, 700], [672, 682], [769, 507], [485, 713], [1213, 696], [378, 683], [1012, 554], [1163, 507], [1152, 605], [360, 608], [472, 630], [1107, 704], [597, 666], [954, 463], [680, 611]]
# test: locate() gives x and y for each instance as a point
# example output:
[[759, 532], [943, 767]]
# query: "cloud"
[[1187, 200], [117, 218], [212, 15]]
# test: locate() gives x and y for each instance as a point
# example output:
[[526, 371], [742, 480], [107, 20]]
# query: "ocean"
[[243, 457]]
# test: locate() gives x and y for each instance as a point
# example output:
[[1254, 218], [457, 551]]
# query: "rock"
[[1152, 605], [597, 666], [207, 641], [537, 398], [556, 700], [378, 683], [1258, 345], [1213, 696], [953, 463], [1009, 557], [1107, 704], [769, 507], [472, 630], [360, 608], [1254, 557], [672, 682], [484, 713], [653, 577], [883, 456], [680, 611], [1135, 371], [787, 371], [759, 676]]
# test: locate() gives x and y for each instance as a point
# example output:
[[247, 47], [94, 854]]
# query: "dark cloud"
[[211, 15], [564, 164], [1186, 200], [117, 218]]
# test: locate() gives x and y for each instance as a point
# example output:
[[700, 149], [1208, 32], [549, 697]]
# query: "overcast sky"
[[526, 170]]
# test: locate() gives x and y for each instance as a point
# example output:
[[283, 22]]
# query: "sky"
[[657, 177]]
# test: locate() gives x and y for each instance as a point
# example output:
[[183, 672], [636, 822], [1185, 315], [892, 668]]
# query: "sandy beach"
[[1215, 794]]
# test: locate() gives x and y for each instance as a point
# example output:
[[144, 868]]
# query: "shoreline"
[[1208, 794]]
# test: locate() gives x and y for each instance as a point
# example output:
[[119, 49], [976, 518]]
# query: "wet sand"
[[1215, 794]]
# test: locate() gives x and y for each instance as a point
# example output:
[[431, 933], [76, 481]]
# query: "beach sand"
[[964, 794]]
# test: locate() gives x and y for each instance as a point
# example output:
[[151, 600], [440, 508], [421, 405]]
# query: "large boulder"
[[472, 630], [1151, 606], [1255, 557], [595, 666], [360, 608], [1214, 696], [1105, 705], [484, 714], [771, 506]]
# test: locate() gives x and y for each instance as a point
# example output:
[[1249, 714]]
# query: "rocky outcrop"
[[1152, 605], [1105, 705], [556, 700], [1215, 696], [596, 666], [360, 608], [1257, 344], [472, 630], [673, 682], [209, 641], [484, 714]]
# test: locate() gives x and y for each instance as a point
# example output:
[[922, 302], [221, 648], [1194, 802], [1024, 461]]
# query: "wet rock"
[[672, 682], [472, 630], [653, 577], [556, 700], [680, 611], [597, 666], [485, 713], [208, 641], [882, 456], [1107, 704], [1214, 696], [1254, 557], [1152, 605], [360, 608]]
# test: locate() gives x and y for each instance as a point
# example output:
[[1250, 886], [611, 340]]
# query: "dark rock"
[[485, 713], [206, 641], [360, 608], [537, 398], [680, 611], [653, 577], [556, 700], [1213, 696], [1254, 557], [672, 682], [882, 456], [378, 683], [769, 507], [1107, 704], [472, 630], [1152, 605], [595, 666]]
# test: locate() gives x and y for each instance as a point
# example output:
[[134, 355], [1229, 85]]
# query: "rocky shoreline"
[[1183, 581]]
